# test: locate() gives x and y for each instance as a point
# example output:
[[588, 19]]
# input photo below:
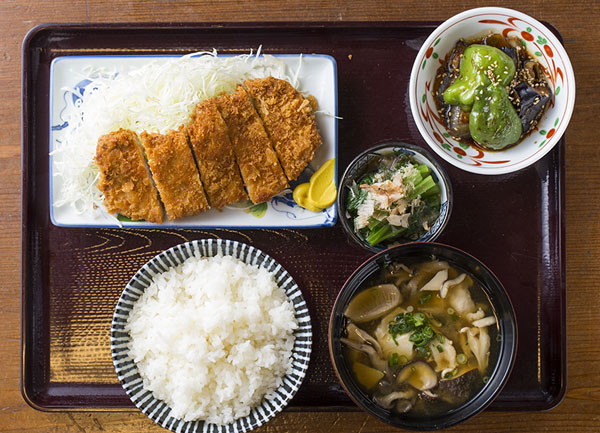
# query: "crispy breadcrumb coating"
[[260, 168], [242, 145], [289, 120], [174, 172], [124, 179], [214, 153]]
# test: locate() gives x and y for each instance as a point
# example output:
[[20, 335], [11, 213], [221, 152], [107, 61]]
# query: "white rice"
[[212, 337]]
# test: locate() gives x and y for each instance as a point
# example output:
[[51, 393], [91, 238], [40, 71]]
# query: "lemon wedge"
[[320, 192]]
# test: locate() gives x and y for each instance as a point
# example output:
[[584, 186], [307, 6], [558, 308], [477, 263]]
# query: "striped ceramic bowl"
[[127, 371]]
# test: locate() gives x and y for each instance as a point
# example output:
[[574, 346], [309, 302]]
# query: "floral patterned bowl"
[[541, 43]]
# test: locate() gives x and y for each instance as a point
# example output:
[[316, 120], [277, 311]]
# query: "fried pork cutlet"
[[124, 179], [253, 151], [289, 120], [219, 172], [175, 174]]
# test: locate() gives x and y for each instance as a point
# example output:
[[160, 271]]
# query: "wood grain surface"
[[578, 23]]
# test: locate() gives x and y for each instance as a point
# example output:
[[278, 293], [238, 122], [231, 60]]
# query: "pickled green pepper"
[[484, 73], [493, 121], [481, 66]]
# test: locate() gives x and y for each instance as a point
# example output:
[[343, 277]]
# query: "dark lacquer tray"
[[72, 277]]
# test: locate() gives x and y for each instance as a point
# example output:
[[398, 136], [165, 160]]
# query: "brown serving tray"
[[72, 277]]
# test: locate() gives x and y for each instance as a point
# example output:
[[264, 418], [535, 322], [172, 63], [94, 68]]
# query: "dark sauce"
[[528, 92]]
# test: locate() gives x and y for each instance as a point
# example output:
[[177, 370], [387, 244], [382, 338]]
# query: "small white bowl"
[[541, 43], [370, 158]]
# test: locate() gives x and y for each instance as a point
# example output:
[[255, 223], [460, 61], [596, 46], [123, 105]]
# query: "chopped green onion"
[[461, 358], [424, 299], [417, 324], [451, 374], [420, 319], [393, 359], [440, 348]]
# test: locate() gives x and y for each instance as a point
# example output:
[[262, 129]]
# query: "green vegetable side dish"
[[491, 92], [493, 120], [482, 67], [398, 200], [485, 71]]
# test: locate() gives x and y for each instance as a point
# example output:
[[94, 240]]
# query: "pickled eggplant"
[[490, 92]]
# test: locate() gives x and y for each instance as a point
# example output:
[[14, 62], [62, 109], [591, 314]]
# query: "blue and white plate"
[[127, 371], [317, 75]]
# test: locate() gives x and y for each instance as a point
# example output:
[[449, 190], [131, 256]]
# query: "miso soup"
[[421, 338]]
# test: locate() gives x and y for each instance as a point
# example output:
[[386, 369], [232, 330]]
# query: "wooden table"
[[578, 23]]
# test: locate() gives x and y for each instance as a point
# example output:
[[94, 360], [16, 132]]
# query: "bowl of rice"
[[211, 335]]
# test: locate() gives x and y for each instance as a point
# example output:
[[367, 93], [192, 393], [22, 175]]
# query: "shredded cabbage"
[[156, 97]]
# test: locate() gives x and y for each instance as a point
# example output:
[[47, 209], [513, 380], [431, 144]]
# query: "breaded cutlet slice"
[[124, 179], [289, 119], [174, 172], [219, 171], [261, 171]]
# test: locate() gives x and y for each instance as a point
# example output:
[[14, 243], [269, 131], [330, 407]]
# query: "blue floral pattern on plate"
[[282, 212]]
